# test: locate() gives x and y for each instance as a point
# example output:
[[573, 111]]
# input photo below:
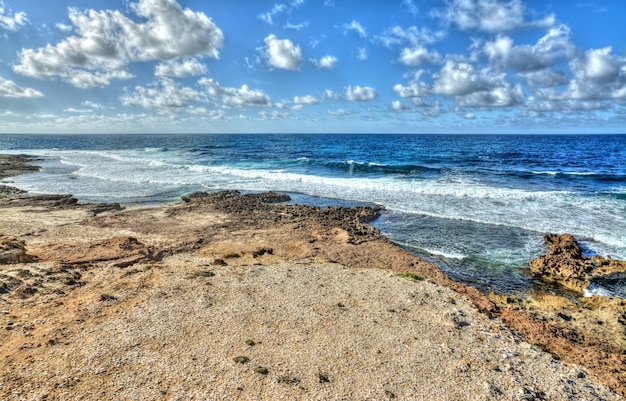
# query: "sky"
[[293, 66]]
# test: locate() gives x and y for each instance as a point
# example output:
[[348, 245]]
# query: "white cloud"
[[164, 94], [11, 21], [339, 112], [282, 53], [10, 89], [599, 65], [412, 57], [308, 99], [63, 27], [474, 88], [180, 68], [296, 27], [552, 47], [243, 96], [358, 93], [356, 27], [410, 7], [459, 79], [398, 106], [597, 75], [362, 54], [329, 94], [414, 89], [92, 105], [268, 17], [490, 15], [505, 95], [325, 63], [397, 35], [85, 79], [107, 41]]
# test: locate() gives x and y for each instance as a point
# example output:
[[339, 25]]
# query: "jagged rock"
[[564, 264]]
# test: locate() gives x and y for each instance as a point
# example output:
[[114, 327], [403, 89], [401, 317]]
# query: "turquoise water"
[[477, 205]]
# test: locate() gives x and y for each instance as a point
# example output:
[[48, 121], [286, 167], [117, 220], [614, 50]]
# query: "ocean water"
[[477, 205]]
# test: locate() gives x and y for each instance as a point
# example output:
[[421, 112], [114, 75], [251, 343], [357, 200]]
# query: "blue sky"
[[312, 66]]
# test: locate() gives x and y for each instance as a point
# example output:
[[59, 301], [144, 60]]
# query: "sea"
[[476, 205]]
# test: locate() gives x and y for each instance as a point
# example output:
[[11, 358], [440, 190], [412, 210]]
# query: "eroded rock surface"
[[564, 264]]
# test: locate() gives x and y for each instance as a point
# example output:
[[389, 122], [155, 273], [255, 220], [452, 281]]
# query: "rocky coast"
[[245, 296]]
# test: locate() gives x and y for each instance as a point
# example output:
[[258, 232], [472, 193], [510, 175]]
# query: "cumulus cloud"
[[598, 75], [106, 41], [490, 15], [11, 21], [459, 79], [180, 68], [10, 89], [308, 99], [282, 53], [165, 94], [358, 93], [325, 63], [414, 89], [554, 46], [412, 57], [243, 96], [398, 106], [356, 27]]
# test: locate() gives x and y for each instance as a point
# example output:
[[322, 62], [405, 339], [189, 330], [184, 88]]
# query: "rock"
[[121, 251], [564, 263], [105, 207], [13, 251]]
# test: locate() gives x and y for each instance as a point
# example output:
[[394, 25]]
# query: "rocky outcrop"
[[13, 251], [267, 207], [564, 264]]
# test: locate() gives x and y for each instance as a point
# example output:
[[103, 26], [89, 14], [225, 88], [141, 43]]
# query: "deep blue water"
[[477, 205]]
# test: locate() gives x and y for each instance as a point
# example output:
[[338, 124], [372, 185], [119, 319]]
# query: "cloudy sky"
[[312, 66]]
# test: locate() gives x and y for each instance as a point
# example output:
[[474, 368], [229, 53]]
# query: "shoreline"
[[207, 230]]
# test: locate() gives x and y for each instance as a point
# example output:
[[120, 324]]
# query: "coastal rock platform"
[[242, 296]]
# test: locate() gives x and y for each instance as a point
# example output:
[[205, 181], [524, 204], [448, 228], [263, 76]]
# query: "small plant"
[[241, 359], [107, 297], [287, 379], [261, 370], [323, 377], [203, 273], [130, 272], [250, 342], [411, 276]]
